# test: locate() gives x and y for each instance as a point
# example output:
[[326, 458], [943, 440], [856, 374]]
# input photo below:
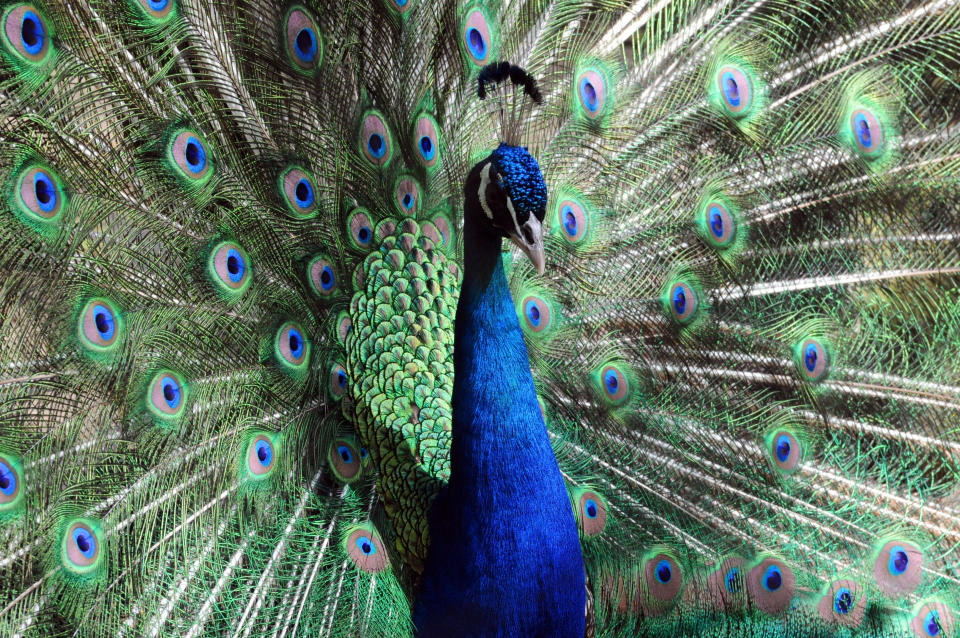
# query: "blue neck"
[[505, 554]]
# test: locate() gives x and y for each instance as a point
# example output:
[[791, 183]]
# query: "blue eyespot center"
[[590, 508], [783, 448], [732, 580], [589, 94], [341, 378], [195, 155], [303, 193], [31, 32], [171, 392], [569, 221], [476, 44], [264, 453], [363, 235], [810, 357], [611, 382], [931, 623], [103, 320], [426, 148], [45, 192], [533, 313], [295, 341], [326, 278], [730, 89], [898, 560], [679, 300], [772, 578], [863, 129], [85, 542], [716, 222], [345, 454], [366, 545], [407, 200], [8, 480], [376, 145], [363, 453], [842, 601], [663, 572], [306, 45], [158, 5], [235, 265]]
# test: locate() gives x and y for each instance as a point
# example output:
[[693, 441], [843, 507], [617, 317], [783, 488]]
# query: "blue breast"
[[505, 554]]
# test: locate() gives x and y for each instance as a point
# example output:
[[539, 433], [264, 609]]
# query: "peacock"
[[458, 318]]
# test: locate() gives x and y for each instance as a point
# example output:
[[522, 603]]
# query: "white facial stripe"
[[484, 182], [513, 216]]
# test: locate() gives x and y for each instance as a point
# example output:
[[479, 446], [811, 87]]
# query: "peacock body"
[[713, 391]]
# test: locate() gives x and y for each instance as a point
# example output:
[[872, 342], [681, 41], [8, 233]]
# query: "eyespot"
[[536, 314], [843, 603], [10, 482], [360, 229], [736, 91], [27, 35], [400, 6], [476, 37], [345, 459], [726, 585], [933, 620], [376, 144], [157, 11], [167, 396], [785, 450], [322, 277], [572, 220], [813, 360], [682, 302], [338, 380], [867, 132], [260, 456], [344, 326], [771, 585], [591, 93], [408, 196], [100, 326], [426, 142], [365, 549], [615, 385], [302, 41], [80, 547], [663, 577], [228, 267], [187, 156], [720, 227], [591, 512], [39, 195], [443, 226], [298, 192], [898, 568], [291, 347]]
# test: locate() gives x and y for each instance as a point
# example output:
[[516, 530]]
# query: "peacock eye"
[[427, 142], [663, 578], [187, 156], [771, 585], [443, 227], [682, 302], [166, 398], [785, 450], [616, 387], [298, 193], [408, 196], [897, 569], [344, 326], [867, 132], [26, 35], [536, 314], [720, 224], [323, 279], [302, 41], [813, 360], [591, 93], [291, 347], [573, 220], [843, 601], [39, 195], [933, 620], [365, 549], [228, 269], [736, 90], [360, 229], [345, 459], [476, 37], [733, 580], [376, 144], [157, 11], [81, 547], [591, 512], [99, 326], [9, 483], [260, 456], [338, 380], [843, 604]]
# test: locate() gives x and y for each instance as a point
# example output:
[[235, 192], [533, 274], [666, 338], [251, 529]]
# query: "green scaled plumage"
[[231, 251]]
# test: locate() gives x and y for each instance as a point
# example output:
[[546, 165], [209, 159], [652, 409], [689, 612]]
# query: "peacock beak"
[[530, 241]]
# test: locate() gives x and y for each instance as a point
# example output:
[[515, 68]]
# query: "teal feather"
[[796, 419]]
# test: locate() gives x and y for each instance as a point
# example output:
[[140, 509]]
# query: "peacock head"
[[510, 199]]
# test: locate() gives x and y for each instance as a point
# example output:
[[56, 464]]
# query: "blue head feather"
[[522, 179]]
